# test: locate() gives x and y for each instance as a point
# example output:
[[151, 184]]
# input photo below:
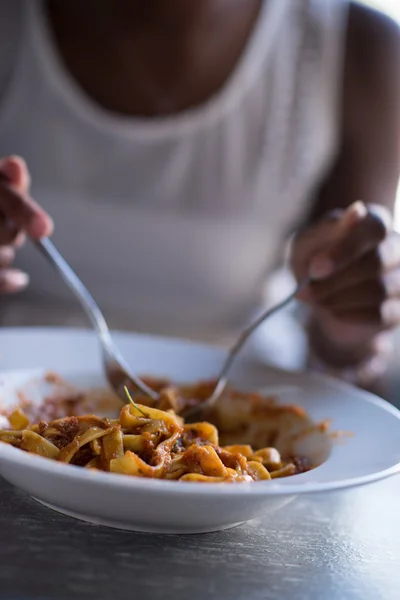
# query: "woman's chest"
[[185, 268], [184, 229]]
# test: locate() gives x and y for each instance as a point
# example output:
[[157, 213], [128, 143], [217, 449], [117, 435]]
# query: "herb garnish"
[[133, 402]]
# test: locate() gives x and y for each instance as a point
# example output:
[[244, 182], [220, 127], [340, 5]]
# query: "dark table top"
[[336, 546]]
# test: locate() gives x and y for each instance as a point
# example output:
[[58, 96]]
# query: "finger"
[[367, 268], [322, 236], [364, 235], [10, 235], [382, 343], [19, 240], [380, 318], [328, 230], [24, 212], [8, 232], [7, 255], [15, 171], [389, 251], [380, 261], [367, 294], [12, 280]]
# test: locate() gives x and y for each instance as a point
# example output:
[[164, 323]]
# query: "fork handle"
[[199, 410], [238, 345], [91, 308], [53, 256]]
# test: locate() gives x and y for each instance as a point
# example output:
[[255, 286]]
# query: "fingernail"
[[383, 343], [18, 279], [15, 169], [355, 212], [7, 254], [358, 208], [321, 267], [390, 312], [19, 240]]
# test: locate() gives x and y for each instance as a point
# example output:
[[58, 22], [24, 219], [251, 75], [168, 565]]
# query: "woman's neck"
[[145, 58], [180, 16]]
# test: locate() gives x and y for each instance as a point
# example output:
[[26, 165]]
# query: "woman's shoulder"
[[11, 23], [372, 70], [373, 39]]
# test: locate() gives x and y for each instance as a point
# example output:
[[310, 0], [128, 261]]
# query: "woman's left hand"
[[353, 259]]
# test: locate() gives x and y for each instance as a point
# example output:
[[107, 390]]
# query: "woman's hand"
[[353, 259], [19, 216]]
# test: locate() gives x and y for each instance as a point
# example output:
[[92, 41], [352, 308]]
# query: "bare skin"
[[127, 55], [360, 299]]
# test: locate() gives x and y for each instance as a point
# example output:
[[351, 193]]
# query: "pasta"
[[145, 441]]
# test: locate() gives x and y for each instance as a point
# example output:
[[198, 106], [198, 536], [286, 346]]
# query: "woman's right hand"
[[19, 216]]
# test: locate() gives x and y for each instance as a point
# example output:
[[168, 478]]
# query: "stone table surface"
[[335, 546]]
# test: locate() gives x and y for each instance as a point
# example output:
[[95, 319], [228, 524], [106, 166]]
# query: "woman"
[[176, 144]]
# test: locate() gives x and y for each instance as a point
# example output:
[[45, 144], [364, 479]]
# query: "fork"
[[199, 411], [116, 369]]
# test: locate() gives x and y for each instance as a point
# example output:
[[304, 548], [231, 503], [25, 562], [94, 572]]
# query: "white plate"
[[371, 453]]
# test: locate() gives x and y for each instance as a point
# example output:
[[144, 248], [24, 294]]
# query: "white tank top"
[[173, 223]]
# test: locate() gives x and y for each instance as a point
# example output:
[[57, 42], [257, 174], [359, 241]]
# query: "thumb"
[[14, 169], [323, 264], [312, 253], [352, 215], [17, 206], [359, 230]]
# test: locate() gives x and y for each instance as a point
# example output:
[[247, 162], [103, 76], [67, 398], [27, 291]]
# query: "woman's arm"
[[349, 309], [368, 165]]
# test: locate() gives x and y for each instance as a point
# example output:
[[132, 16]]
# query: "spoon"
[[117, 371]]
